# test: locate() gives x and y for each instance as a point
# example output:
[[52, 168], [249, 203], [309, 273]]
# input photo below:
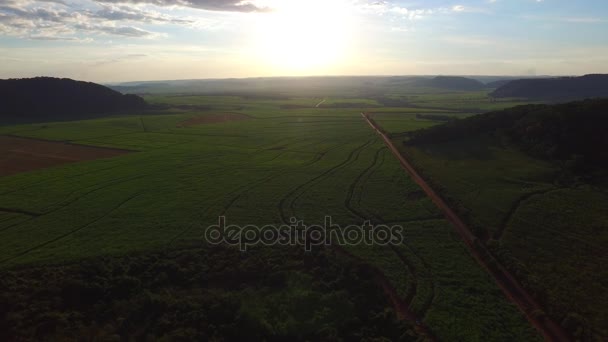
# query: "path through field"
[[511, 288]]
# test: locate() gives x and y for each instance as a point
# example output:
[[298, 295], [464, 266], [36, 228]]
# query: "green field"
[[550, 234], [281, 163]]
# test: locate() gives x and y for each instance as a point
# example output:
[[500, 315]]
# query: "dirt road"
[[401, 308], [507, 283]]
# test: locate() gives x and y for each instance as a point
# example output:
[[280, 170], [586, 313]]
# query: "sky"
[[137, 40]]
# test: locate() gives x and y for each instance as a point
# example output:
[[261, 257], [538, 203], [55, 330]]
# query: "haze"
[[122, 40]]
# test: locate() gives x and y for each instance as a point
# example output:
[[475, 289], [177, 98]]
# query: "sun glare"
[[304, 35]]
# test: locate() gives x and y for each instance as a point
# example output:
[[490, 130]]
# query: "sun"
[[304, 35]]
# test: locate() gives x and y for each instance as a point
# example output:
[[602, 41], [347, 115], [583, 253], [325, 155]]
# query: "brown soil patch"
[[213, 118], [23, 154]]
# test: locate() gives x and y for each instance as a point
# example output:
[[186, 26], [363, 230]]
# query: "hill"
[[562, 88], [51, 99], [452, 83], [313, 86], [497, 84], [572, 131]]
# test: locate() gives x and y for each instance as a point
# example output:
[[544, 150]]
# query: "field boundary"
[[507, 283]]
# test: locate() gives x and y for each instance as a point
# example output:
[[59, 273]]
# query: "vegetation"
[[556, 89], [50, 99], [278, 164], [453, 83], [571, 133], [211, 293], [529, 181]]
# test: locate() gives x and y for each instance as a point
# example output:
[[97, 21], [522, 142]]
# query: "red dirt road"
[[23, 154], [507, 283], [399, 305]]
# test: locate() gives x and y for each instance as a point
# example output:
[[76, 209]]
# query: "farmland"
[[543, 219], [191, 163]]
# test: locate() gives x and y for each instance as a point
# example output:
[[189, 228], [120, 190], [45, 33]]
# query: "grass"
[[306, 163]]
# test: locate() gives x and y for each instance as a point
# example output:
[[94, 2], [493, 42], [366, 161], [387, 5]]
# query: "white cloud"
[[59, 20]]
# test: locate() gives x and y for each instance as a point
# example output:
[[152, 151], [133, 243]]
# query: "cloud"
[[126, 31], [208, 5], [385, 8], [125, 13], [58, 20]]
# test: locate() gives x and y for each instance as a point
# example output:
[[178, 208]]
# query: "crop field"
[[465, 101], [582, 253], [514, 202], [485, 178], [254, 162], [395, 123], [22, 154]]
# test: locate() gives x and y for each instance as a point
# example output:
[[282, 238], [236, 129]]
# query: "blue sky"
[[124, 40]]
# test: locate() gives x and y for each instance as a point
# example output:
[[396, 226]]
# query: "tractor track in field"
[[505, 281], [8, 218], [64, 235], [92, 189], [573, 237], [34, 184], [19, 211], [320, 155], [246, 188], [411, 268], [96, 187], [518, 203], [351, 189], [369, 175], [17, 224], [353, 157], [306, 185], [238, 191], [402, 309], [72, 142], [49, 209]]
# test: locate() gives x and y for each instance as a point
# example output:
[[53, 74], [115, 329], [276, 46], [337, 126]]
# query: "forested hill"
[[452, 83], [556, 89], [50, 99], [574, 131]]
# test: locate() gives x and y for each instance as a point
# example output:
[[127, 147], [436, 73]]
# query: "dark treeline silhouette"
[[556, 89], [497, 84], [51, 99], [210, 294], [572, 132], [458, 83]]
